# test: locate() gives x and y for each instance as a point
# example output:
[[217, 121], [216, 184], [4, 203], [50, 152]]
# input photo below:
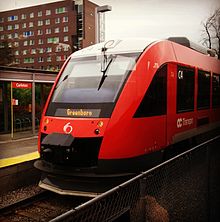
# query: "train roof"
[[137, 45], [116, 46]]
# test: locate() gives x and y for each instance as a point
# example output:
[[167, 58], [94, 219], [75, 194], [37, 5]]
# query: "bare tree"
[[211, 32]]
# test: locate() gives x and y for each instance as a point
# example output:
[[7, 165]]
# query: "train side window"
[[215, 90], [203, 99], [185, 89], [154, 102]]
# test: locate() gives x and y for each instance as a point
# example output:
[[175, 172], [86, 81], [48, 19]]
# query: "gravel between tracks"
[[19, 194]]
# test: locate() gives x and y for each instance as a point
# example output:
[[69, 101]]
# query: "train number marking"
[[180, 74], [68, 128]]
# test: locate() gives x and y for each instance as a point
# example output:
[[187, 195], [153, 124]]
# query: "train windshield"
[[79, 85]]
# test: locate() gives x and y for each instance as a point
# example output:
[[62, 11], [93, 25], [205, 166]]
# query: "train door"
[[180, 103]]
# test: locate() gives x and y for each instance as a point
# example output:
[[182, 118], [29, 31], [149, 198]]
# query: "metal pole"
[[97, 25], [98, 10], [33, 104], [12, 114], [102, 27]]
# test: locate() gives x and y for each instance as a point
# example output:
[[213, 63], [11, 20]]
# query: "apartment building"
[[43, 36]]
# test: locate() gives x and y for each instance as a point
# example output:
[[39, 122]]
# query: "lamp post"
[[100, 22]]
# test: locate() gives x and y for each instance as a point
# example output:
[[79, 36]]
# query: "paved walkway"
[[17, 150]]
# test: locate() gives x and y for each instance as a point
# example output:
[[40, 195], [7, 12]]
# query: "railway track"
[[43, 206]]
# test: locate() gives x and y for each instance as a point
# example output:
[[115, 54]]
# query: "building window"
[[23, 16], [9, 36], [39, 14], [40, 32], [13, 18], [24, 25], [31, 24], [40, 41], [47, 22], [48, 12], [48, 49], [203, 99], [216, 90], [31, 42], [15, 35], [16, 26], [57, 30], [2, 37], [28, 33], [65, 38], [66, 48], [33, 51], [17, 61], [16, 44], [28, 60], [2, 45], [9, 27], [154, 102], [58, 58], [1, 28], [65, 19], [40, 23], [53, 40], [48, 31], [24, 52], [40, 59], [25, 43], [50, 40], [31, 15], [65, 29], [185, 89], [1, 20], [41, 50], [16, 52], [49, 59], [60, 10], [57, 20], [58, 48]]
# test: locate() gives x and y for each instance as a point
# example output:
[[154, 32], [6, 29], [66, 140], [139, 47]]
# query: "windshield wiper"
[[104, 65], [65, 77], [104, 74]]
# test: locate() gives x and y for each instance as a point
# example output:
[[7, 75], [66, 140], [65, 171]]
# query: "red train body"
[[116, 106]]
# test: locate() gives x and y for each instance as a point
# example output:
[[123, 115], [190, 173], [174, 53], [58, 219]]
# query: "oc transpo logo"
[[68, 128], [184, 122], [179, 122]]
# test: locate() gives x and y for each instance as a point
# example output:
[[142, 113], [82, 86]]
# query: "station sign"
[[21, 85]]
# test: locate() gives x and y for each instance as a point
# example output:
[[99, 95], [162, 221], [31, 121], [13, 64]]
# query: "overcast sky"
[[146, 18]]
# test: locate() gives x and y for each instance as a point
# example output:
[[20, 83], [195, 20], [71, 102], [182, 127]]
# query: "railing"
[[184, 188]]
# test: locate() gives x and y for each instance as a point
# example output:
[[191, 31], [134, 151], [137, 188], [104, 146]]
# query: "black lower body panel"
[[105, 167]]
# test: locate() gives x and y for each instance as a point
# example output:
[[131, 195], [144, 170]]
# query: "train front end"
[[79, 110]]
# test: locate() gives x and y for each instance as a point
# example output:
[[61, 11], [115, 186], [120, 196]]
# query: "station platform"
[[17, 150]]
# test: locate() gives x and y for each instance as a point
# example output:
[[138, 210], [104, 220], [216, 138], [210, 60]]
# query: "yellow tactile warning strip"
[[18, 159]]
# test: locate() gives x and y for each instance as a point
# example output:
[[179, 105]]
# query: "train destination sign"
[[21, 85], [78, 112]]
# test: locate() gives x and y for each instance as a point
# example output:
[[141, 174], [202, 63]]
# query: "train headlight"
[[46, 121], [100, 124], [97, 131]]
